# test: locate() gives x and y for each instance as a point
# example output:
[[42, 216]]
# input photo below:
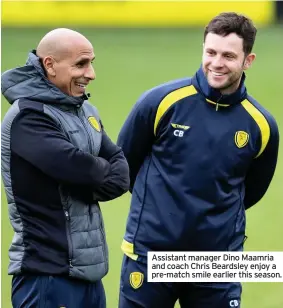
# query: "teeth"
[[81, 85], [217, 74]]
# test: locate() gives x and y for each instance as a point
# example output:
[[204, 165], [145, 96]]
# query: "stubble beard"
[[232, 82]]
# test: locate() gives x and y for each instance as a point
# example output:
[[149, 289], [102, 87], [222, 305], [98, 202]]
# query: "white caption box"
[[215, 266]]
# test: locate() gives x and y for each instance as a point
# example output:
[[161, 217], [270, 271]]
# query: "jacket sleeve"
[[137, 134], [36, 138], [117, 181], [262, 169]]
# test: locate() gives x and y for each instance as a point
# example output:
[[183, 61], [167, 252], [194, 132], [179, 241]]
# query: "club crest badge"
[[136, 279], [241, 138], [94, 123]]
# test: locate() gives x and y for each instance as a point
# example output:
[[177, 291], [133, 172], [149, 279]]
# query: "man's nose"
[[218, 61], [90, 73]]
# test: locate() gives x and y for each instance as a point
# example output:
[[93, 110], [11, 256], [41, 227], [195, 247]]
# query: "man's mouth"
[[217, 74], [81, 85]]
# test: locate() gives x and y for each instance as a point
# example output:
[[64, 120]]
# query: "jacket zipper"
[[70, 244], [217, 103]]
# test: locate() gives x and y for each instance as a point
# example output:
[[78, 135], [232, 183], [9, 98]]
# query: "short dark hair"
[[230, 22]]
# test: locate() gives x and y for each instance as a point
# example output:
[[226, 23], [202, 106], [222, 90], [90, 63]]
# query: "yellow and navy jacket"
[[197, 160]]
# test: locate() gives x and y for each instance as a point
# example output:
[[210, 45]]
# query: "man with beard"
[[201, 151]]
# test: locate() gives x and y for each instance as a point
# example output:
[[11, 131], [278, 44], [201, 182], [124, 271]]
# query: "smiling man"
[[57, 164], [225, 57], [201, 151], [67, 57]]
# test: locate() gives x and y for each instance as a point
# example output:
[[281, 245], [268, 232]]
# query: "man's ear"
[[48, 63], [249, 60]]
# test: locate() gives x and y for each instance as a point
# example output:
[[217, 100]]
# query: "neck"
[[231, 95]]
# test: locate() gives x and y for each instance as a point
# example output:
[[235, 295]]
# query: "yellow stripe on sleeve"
[[128, 249], [261, 122]]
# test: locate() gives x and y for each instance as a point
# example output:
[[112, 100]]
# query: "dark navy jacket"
[[197, 160], [57, 164]]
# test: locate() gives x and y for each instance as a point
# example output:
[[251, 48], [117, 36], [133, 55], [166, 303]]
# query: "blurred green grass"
[[128, 62]]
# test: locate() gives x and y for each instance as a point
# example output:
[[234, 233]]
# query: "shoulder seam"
[[170, 99], [33, 105]]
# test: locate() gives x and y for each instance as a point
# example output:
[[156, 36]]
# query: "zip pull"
[[67, 215], [217, 103]]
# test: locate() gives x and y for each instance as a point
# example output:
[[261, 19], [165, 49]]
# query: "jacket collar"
[[34, 60], [214, 96], [29, 81]]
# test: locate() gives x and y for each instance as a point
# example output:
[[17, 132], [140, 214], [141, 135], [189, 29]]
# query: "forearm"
[[117, 181]]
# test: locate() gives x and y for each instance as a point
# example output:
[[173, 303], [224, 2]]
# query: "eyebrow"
[[229, 53], [224, 52], [84, 59]]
